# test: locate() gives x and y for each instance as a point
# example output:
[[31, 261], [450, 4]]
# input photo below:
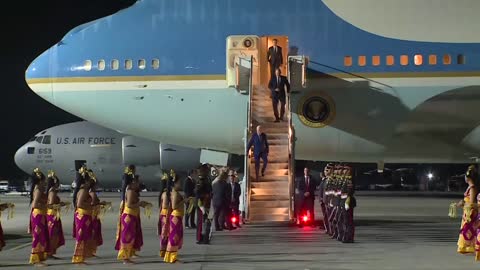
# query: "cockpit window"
[[33, 139], [47, 139], [39, 139]]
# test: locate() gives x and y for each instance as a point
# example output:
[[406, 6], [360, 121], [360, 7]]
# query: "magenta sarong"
[[175, 238], [39, 231], [83, 235], [163, 229], [130, 237], [55, 231]]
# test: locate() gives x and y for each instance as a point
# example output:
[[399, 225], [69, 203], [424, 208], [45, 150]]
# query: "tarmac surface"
[[392, 233]]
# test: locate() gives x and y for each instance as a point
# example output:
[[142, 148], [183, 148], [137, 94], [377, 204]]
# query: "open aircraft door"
[[297, 72]]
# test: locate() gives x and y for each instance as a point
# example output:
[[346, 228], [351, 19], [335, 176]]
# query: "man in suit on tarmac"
[[274, 57], [305, 193], [277, 85]]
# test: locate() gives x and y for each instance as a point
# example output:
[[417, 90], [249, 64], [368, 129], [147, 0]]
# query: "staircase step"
[[269, 211], [280, 190], [280, 142], [269, 204], [268, 218], [270, 184], [276, 165], [269, 178], [279, 197]]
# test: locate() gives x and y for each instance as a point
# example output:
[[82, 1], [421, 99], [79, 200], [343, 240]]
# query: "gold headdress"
[[128, 171], [51, 173], [92, 176], [173, 174], [164, 176]]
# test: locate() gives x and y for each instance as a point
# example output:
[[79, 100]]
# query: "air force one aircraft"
[[104, 151], [372, 81], [394, 81]]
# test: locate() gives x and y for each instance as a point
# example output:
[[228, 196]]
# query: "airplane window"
[[403, 60], [376, 60], [155, 64], [347, 61], [40, 139], [461, 59], [33, 139], [101, 65], [128, 64], [362, 60], [31, 150], [142, 64], [390, 60], [447, 60], [115, 64], [47, 139], [418, 59], [87, 66], [432, 59]]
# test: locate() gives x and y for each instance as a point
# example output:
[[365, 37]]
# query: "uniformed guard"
[[350, 203], [335, 203], [203, 194], [341, 207], [328, 203], [323, 196]]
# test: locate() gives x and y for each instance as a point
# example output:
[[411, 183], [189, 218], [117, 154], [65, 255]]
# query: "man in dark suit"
[[274, 57], [260, 150], [305, 192], [189, 189], [220, 200], [235, 200], [277, 86]]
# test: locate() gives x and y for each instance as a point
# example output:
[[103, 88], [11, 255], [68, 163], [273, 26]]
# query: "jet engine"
[[140, 152], [178, 158]]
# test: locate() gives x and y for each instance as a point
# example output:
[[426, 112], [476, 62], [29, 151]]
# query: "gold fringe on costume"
[[452, 211]]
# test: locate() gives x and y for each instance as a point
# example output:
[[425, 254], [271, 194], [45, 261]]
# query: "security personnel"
[[335, 202], [203, 195], [350, 203], [341, 208], [323, 197], [329, 195]]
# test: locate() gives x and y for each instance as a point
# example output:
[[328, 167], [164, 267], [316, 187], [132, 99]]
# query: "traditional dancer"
[[175, 239], [130, 238], [466, 239], [55, 230], [83, 218], [165, 210], [38, 219]]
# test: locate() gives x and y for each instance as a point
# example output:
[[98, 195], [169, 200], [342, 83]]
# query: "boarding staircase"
[[269, 194], [270, 197]]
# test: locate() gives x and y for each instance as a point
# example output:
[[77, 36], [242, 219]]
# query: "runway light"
[[430, 176], [234, 219], [305, 218]]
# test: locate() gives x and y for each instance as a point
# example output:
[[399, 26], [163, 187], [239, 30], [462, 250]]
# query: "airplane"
[[106, 152], [372, 81]]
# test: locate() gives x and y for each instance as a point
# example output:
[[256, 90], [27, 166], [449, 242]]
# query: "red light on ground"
[[234, 220], [305, 218]]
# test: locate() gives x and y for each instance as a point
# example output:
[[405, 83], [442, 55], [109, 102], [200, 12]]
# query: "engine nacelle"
[[178, 158], [140, 152]]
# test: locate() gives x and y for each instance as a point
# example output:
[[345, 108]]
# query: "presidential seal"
[[316, 110]]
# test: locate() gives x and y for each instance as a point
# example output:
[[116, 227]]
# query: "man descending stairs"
[[269, 197]]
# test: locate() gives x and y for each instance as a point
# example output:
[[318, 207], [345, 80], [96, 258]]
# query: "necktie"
[[307, 181], [278, 81]]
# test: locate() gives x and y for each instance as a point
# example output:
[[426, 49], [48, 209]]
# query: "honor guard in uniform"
[[328, 202], [203, 194], [341, 207], [350, 203], [323, 197], [336, 201]]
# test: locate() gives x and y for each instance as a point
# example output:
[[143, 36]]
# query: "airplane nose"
[[20, 158], [38, 76]]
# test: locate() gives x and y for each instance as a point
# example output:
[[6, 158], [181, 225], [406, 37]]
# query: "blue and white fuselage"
[[158, 70]]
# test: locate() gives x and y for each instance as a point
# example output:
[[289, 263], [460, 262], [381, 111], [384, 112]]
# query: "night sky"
[[29, 28]]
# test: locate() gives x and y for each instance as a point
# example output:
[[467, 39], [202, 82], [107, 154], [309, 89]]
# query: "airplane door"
[[79, 164], [297, 72]]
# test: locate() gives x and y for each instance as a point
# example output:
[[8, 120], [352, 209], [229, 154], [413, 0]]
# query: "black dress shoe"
[[218, 230], [276, 121]]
